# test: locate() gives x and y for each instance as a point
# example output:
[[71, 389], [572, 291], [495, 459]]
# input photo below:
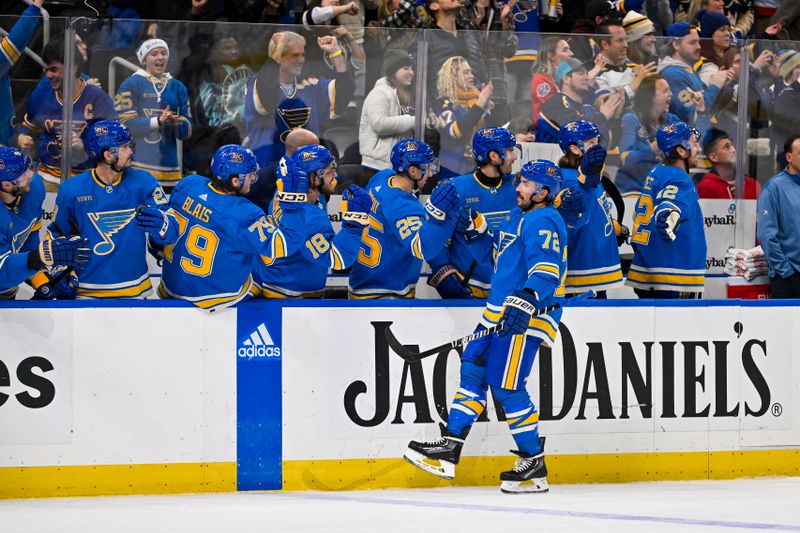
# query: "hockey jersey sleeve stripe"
[[416, 247], [337, 262], [9, 50], [545, 268]]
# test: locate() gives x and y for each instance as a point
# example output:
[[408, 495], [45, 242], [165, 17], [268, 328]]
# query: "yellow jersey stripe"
[[127, 292]]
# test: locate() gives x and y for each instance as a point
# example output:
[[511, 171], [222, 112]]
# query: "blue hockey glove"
[[62, 251], [154, 221], [156, 250], [667, 222], [444, 202], [449, 284], [62, 286], [356, 203], [592, 163], [292, 184], [570, 203], [517, 311]]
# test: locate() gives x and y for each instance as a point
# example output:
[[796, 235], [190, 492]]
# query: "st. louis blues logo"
[[505, 241], [107, 224], [21, 238]]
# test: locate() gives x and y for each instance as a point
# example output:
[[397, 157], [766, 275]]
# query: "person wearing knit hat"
[[155, 107], [388, 112], [641, 34], [715, 32], [711, 22], [789, 61]]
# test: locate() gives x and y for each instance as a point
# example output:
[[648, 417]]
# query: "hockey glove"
[[477, 227], [154, 221], [622, 232], [356, 203], [63, 251], [570, 203], [62, 286], [444, 202], [667, 222], [292, 184], [592, 163], [517, 311], [449, 284]]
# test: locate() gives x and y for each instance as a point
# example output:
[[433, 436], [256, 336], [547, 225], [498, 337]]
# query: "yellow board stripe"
[[107, 480], [368, 474]]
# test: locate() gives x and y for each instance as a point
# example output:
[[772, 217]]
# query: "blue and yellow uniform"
[[661, 264], [104, 214], [26, 221], [43, 119], [593, 252], [11, 47], [13, 266], [315, 248], [494, 203], [394, 243], [222, 238], [139, 102]]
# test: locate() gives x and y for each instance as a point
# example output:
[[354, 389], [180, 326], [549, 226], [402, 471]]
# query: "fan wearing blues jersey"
[[530, 269], [464, 268], [115, 207]]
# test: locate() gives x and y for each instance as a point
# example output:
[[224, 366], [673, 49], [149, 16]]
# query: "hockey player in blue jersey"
[[314, 246], [222, 235], [21, 255], [43, 118], [593, 252], [399, 236], [490, 193], [280, 97], [530, 269], [11, 47], [155, 108], [101, 205], [668, 239]]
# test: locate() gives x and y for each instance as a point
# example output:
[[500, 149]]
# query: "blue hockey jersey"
[[11, 48], [394, 244], [530, 253], [26, 220], [314, 249], [456, 125], [494, 203], [139, 102], [683, 79], [43, 119], [13, 266], [222, 238], [593, 252], [661, 264], [104, 214]]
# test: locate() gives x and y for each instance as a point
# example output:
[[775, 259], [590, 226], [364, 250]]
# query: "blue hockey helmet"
[[13, 163], [106, 135], [488, 140], [409, 153], [545, 174], [233, 160], [575, 133], [670, 136], [312, 158]]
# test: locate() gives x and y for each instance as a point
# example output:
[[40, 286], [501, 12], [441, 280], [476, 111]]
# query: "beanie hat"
[[680, 29], [637, 26], [789, 60], [394, 60], [711, 22], [148, 46]]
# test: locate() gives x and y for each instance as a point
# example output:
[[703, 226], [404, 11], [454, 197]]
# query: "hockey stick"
[[412, 357]]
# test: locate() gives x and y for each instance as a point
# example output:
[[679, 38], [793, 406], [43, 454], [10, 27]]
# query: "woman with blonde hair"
[[459, 111], [552, 51]]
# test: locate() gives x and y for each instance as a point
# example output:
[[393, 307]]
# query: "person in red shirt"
[[552, 51], [721, 180]]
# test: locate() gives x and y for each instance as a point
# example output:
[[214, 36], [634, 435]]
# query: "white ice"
[[771, 504]]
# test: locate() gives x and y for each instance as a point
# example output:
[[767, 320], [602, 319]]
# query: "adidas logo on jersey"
[[259, 344], [204, 197]]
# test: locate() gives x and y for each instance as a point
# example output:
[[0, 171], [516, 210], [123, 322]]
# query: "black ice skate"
[[439, 457], [528, 475]]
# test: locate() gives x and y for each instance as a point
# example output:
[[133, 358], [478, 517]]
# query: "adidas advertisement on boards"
[[627, 370]]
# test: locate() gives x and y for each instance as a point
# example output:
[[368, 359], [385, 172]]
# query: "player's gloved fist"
[[153, 220], [449, 284], [292, 184], [356, 203], [667, 222], [62, 251], [622, 232], [64, 288], [444, 202], [592, 163], [570, 202], [517, 311]]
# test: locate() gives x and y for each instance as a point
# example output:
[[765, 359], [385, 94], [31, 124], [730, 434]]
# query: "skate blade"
[[524, 487], [442, 469]]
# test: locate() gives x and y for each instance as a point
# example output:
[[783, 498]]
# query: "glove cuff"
[[292, 197], [434, 211], [437, 277], [356, 217], [520, 303]]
